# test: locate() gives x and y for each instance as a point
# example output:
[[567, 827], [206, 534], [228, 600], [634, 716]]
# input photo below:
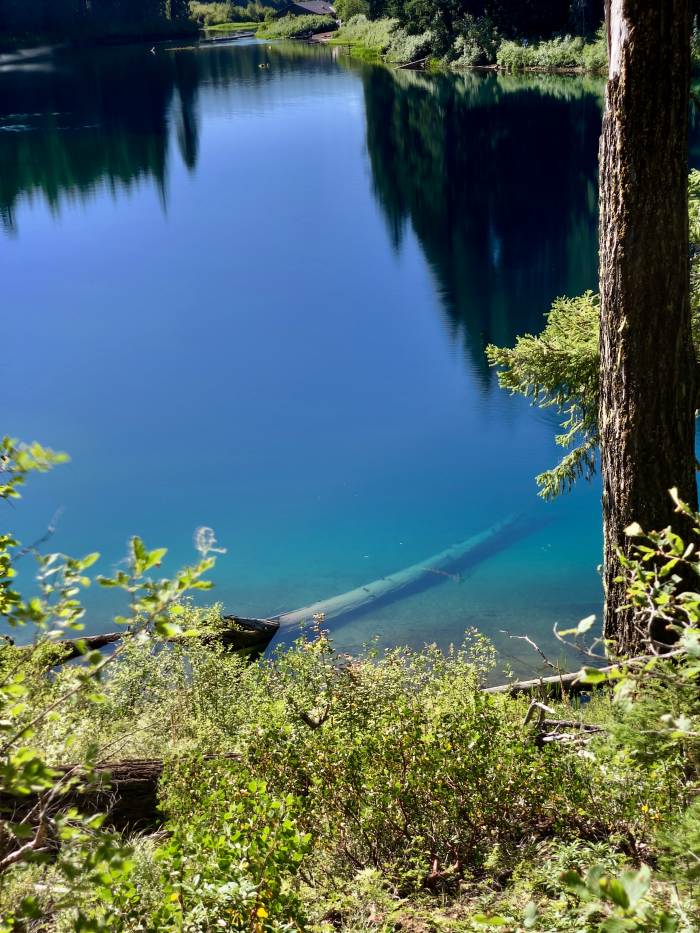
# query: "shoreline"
[[355, 50], [367, 53], [32, 40]]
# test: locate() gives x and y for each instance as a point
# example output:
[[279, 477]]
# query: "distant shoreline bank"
[[15, 43]]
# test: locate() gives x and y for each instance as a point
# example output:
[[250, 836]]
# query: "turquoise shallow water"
[[257, 300]]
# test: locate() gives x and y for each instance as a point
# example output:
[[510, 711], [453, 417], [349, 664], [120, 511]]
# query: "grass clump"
[[297, 27], [565, 52], [228, 15], [367, 36], [234, 27]]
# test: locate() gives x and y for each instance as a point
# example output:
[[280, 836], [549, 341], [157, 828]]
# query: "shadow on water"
[[492, 178], [72, 121], [498, 178], [503, 233]]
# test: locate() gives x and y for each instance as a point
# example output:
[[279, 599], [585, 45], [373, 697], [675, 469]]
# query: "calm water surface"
[[257, 299]]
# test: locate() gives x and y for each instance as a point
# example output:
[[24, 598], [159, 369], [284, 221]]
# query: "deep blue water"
[[257, 300]]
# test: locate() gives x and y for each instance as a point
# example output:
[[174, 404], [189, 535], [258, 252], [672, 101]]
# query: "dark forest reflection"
[[498, 178], [72, 121]]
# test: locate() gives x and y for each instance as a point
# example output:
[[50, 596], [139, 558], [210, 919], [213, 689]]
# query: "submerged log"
[[448, 564], [250, 637]]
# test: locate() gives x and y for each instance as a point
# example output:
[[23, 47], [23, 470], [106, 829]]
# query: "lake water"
[[257, 299]]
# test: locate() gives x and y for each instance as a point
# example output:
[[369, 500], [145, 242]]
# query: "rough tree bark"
[[647, 381]]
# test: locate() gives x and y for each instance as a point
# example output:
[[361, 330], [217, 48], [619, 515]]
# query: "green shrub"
[[476, 43], [562, 52], [232, 854], [210, 14], [405, 48], [346, 9], [404, 764], [222, 14], [595, 54], [369, 35], [297, 27]]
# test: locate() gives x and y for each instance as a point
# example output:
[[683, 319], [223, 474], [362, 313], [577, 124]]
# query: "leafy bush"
[[560, 52], [405, 48], [476, 43], [229, 861], [219, 14], [595, 54], [210, 14], [297, 27], [346, 9], [557, 53], [369, 35]]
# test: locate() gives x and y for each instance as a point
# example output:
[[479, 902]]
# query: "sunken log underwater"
[[454, 563]]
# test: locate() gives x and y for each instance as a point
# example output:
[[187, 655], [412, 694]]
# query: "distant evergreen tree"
[[76, 18], [513, 18]]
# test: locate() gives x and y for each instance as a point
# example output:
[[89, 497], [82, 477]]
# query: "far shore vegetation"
[[457, 35], [507, 36]]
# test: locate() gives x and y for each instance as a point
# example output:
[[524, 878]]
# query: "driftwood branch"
[[418, 61], [572, 682], [532, 644], [551, 685]]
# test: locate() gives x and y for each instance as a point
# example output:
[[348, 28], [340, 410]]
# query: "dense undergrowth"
[[381, 785], [565, 52], [382, 38], [475, 42], [317, 791], [405, 34]]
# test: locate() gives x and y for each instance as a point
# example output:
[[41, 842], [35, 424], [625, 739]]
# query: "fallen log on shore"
[[126, 791], [574, 682], [554, 684], [450, 563], [247, 637]]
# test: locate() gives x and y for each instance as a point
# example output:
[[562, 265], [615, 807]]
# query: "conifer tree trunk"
[[647, 401]]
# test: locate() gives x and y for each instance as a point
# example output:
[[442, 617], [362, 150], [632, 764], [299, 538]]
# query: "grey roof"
[[318, 7]]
